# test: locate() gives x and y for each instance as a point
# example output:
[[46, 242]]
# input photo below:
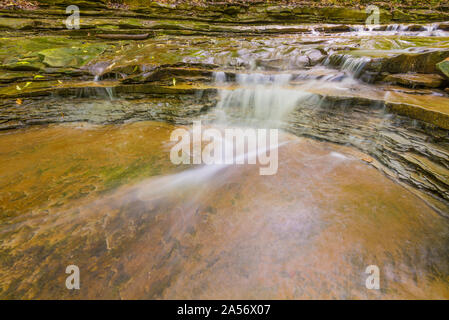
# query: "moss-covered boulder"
[[443, 66]]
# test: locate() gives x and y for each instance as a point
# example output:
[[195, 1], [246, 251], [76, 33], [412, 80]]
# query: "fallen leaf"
[[367, 159], [19, 101]]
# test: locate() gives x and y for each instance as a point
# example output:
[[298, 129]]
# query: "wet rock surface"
[[416, 80], [170, 108], [382, 90]]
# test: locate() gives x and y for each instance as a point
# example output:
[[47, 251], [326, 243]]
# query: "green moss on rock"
[[70, 56], [443, 66]]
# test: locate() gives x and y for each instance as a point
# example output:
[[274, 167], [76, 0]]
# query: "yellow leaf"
[[174, 81], [59, 81], [19, 101], [37, 76], [26, 85], [18, 88]]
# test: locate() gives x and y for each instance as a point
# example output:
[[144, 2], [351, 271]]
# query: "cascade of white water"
[[220, 77], [259, 98], [432, 30], [354, 65], [357, 28]]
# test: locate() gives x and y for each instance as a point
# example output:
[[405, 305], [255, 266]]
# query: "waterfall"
[[357, 28], [96, 92], [313, 31], [433, 30], [259, 99], [110, 92], [220, 77], [354, 65]]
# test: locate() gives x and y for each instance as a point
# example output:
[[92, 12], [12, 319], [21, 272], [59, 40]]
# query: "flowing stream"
[[107, 198]]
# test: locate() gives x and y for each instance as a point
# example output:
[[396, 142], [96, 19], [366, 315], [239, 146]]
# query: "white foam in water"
[[313, 31], [431, 30]]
